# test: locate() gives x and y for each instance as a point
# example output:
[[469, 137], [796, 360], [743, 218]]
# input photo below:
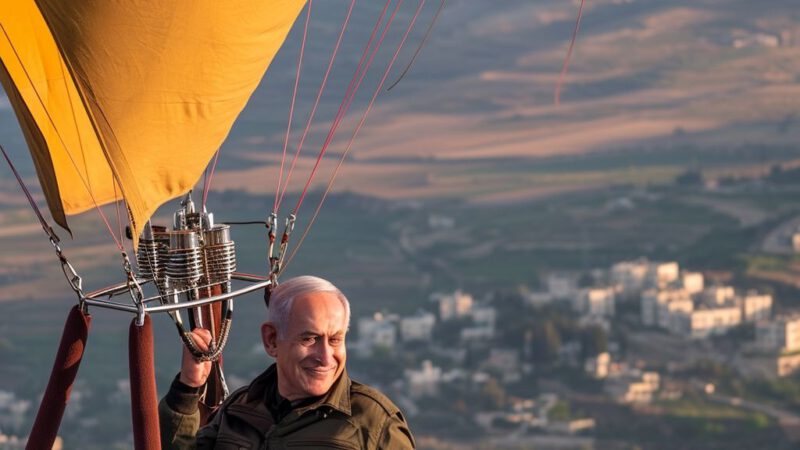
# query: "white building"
[[669, 314], [418, 327], [654, 305], [702, 323], [781, 334], [377, 331], [425, 381], [561, 286], [595, 302], [630, 276], [796, 241], [693, 282], [719, 295], [455, 305], [598, 366], [634, 387], [663, 274], [756, 306]]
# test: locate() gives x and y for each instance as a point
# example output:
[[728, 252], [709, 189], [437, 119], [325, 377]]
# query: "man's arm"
[[179, 416]]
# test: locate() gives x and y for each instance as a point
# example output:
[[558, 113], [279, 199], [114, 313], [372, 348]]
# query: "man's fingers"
[[201, 338]]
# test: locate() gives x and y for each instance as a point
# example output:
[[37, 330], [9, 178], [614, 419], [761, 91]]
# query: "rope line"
[[355, 133], [291, 108], [47, 228], [419, 47], [310, 120], [349, 102], [565, 66], [351, 86]]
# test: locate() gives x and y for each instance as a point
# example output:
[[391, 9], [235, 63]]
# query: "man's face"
[[311, 354]]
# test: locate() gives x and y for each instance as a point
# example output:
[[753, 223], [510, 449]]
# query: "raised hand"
[[194, 373]]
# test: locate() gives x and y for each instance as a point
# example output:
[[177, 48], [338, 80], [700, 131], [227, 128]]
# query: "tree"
[[594, 340], [494, 394], [546, 342]]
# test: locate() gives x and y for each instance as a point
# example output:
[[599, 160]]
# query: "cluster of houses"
[[670, 299], [775, 351], [622, 383], [384, 331], [535, 414], [478, 322], [680, 303]]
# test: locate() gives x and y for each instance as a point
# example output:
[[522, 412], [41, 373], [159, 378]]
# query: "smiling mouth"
[[320, 371]]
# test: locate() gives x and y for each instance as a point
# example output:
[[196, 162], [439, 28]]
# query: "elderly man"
[[305, 400]]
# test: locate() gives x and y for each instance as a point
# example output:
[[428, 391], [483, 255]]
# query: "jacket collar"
[[254, 411]]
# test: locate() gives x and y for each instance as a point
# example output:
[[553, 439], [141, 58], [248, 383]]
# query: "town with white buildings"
[[596, 327]]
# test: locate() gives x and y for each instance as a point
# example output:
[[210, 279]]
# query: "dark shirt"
[[280, 407]]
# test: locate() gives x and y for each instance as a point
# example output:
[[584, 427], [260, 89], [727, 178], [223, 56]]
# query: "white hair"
[[282, 299]]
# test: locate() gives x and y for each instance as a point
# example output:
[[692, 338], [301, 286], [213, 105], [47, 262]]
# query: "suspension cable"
[[74, 280], [419, 47], [276, 262], [45, 226], [291, 107], [338, 120], [310, 120], [565, 66], [355, 133]]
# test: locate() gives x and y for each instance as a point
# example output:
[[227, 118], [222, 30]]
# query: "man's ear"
[[269, 336]]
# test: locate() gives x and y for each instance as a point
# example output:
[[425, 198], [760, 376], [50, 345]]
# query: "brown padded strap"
[[144, 399], [65, 368]]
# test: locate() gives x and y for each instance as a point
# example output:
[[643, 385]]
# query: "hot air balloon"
[[130, 101]]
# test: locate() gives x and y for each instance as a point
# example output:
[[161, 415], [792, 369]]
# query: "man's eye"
[[336, 341], [309, 340]]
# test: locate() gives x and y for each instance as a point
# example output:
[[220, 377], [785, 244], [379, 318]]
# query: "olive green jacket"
[[350, 416]]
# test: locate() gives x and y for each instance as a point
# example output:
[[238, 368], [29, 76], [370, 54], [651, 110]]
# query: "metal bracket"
[[277, 265], [135, 290]]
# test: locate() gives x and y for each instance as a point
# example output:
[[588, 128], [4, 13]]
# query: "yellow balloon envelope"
[[130, 99]]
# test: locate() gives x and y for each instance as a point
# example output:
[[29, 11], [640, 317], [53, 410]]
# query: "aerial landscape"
[[620, 270]]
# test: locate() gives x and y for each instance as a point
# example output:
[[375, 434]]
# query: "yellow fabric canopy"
[[131, 99]]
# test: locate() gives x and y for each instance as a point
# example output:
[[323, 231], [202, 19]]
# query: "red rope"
[[310, 120], [419, 47], [565, 66], [291, 108], [343, 111], [65, 369], [355, 132], [28, 195]]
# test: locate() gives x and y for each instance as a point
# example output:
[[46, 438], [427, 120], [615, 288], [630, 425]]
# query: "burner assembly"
[[193, 259]]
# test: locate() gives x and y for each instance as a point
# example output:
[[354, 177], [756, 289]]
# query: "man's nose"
[[324, 352]]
